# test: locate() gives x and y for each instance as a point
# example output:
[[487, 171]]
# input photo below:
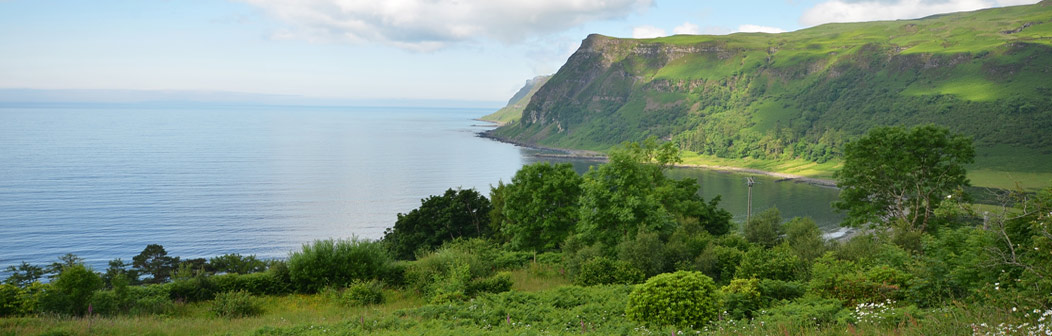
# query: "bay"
[[102, 182]]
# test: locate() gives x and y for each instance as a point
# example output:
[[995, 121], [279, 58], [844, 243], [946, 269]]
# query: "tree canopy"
[[539, 207], [898, 177], [461, 213]]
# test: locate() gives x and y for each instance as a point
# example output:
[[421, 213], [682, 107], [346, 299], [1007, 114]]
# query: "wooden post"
[[748, 211]]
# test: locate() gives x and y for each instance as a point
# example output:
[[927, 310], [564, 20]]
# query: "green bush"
[[10, 303], [778, 290], [779, 263], [719, 262], [805, 238], [265, 283], [741, 298], [336, 263], [604, 271], [197, 288], [806, 312], [236, 304], [849, 282], [550, 258], [76, 284], [150, 300], [446, 274], [235, 263], [683, 299], [513, 259], [764, 229], [362, 293], [645, 252], [500, 282]]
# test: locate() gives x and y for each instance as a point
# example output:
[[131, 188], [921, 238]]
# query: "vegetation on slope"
[[513, 111], [801, 95]]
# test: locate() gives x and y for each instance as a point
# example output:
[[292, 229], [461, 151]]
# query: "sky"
[[469, 50]]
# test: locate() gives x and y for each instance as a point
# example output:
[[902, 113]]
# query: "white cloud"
[[872, 10], [687, 28], [750, 28], [433, 24], [647, 32]]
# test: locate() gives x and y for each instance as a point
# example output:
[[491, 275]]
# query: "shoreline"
[[597, 156]]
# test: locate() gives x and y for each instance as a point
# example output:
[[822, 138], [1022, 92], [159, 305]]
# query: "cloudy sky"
[[368, 49]]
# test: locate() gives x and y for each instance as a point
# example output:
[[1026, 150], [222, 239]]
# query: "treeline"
[[640, 242]]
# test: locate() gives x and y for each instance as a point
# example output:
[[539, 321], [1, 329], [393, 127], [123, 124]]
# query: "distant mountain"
[[513, 111], [803, 94]]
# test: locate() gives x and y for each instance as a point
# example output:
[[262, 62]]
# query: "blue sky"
[[367, 49]]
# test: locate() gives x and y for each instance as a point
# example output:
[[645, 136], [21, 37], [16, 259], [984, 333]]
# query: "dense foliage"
[[684, 299], [899, 177], [454, 214], [539, 207], [337, 263]]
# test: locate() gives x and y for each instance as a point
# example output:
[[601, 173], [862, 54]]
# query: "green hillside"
[[795, 98], [517, 103]]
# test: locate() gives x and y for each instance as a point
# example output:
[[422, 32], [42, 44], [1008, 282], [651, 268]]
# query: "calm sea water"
[[103, 182]]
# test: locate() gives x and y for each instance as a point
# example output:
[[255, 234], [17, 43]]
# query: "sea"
[[104, 181]]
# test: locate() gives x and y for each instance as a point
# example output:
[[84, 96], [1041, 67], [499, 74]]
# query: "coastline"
[[593, 155]]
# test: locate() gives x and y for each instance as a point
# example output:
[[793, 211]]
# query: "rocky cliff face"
[[803, 94]]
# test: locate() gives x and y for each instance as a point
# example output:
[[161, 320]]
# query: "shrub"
[[511, 259], [604, 271], [235, 263], [765, 228], [778, 290], [805, 238], [683, 299], [336, 263], [9, 300], [76, 283], [197, 288], [719, 262], [645, 252], [236, 304], [447, 273], [806, 312], [150, 300], [779, 263], [549, 258], [500, 282], [265, 283], [741, 298], [362, 293]]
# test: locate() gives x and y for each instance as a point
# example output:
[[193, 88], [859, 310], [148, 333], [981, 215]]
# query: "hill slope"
[[802, 95], [517, 103]]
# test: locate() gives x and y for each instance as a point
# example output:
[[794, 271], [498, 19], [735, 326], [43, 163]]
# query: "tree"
[[765, 228], [898, 177], [66, 260], [154, 260], [540, 206], [631, 194], [117, 269], [455, 214], [235, 263], [23, 275], [77, 283]]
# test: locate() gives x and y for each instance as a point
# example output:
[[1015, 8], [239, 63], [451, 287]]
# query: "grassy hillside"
[[795, 98], [513, 111]]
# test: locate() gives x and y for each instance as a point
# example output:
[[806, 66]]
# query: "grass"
[[799, 167]]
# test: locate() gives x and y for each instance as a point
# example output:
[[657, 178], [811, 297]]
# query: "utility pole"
[[748, 212]]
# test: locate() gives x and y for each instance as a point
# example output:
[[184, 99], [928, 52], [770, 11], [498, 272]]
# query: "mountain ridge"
[[801, 95]]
